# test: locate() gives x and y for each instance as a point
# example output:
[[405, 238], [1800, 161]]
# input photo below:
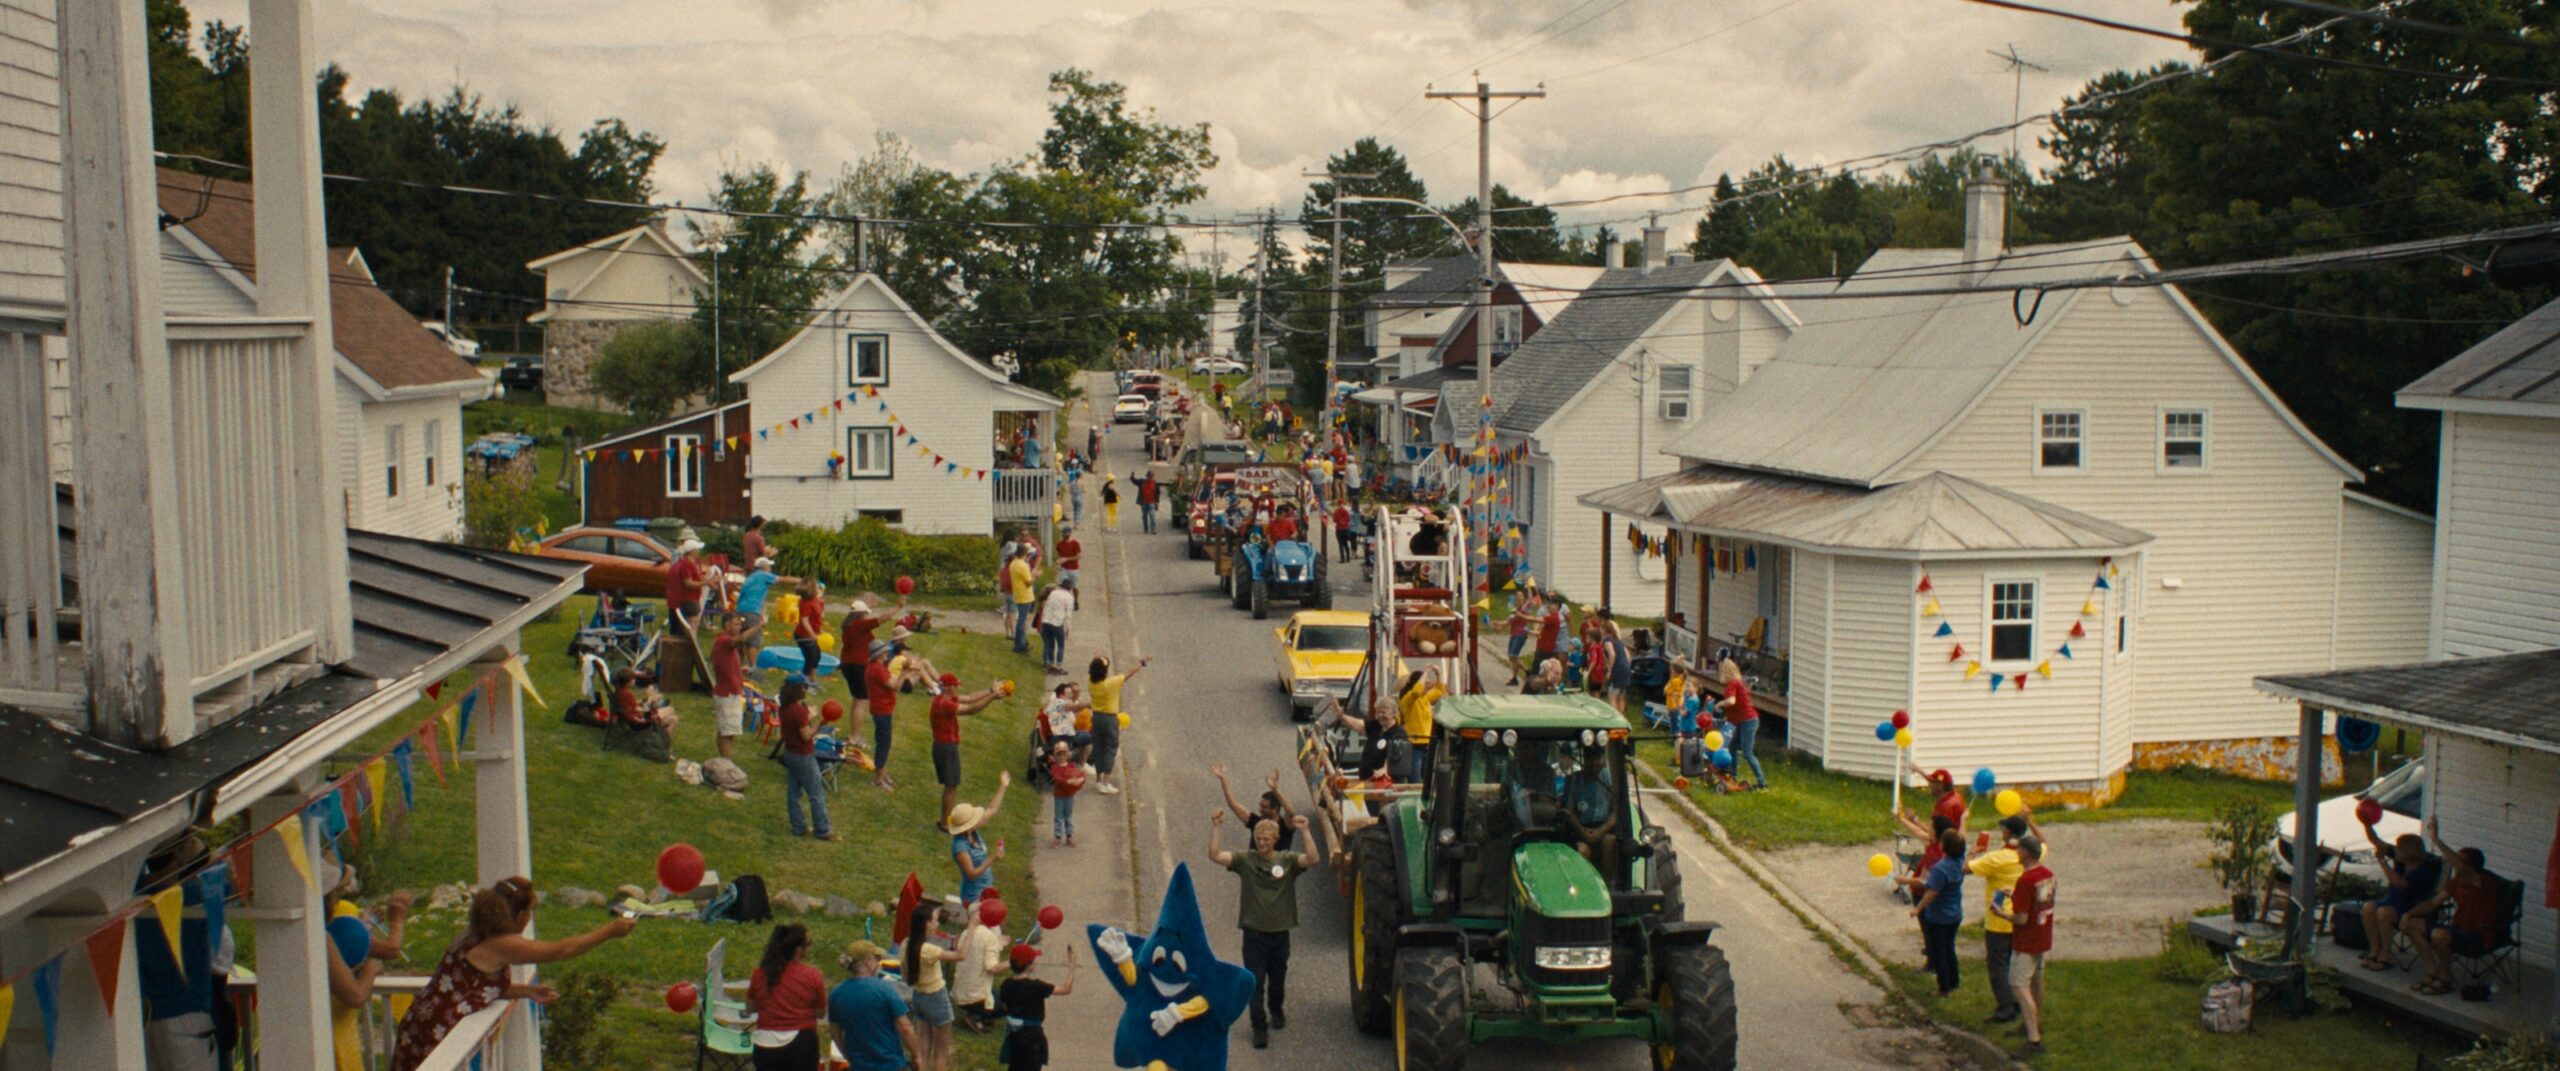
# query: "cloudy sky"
[[1643, 94]]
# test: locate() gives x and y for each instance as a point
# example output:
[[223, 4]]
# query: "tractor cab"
[[1524, 786]]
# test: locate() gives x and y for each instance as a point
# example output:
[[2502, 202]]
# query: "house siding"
[[2251, 541], [189, 284], [1590, 444], [2382, 587], [1808, 668], [422, 511], [2051, 731], [2498, 510], [1869, 676], [2500, 800], [31, 253], [2116, 676], [947, 407], [616, 488]]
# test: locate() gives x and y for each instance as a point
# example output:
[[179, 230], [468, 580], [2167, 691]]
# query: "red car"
[[616, 559]]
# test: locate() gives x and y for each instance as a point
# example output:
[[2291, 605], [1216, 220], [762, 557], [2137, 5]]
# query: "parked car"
[[1320, 652], [617, 559], [1217, 366], [2403, 796], [1147, 383], [1131, 409], [462, 347], [522, 372]]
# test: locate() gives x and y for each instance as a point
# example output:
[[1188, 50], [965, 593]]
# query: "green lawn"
[[2108, 1015], [1805, 804], [600, 819]]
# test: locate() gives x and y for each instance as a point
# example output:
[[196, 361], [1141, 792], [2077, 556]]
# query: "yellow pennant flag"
[[452, 734], [515, 669], [1930, 608], [2045, 669], [374, 772], [1971, 668], [2089, 608], [291, 830], [171, 905], [8, 1001]]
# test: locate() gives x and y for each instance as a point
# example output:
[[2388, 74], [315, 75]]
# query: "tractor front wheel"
[[1695, 995], [1373, 929], [1431, 1010]]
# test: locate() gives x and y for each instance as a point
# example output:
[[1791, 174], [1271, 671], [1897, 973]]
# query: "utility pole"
[[1484, 95], [449, 332], [1333, 291], [1261, 299]]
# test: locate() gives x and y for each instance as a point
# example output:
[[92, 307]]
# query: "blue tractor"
[[1265, 569]]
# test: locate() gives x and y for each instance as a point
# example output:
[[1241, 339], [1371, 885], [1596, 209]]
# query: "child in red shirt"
[[813, 623], [2030, 915], [1066, 778]]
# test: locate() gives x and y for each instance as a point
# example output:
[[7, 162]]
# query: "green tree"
[[652, 367], [1373, 235], [764, 290], [1523, 233]]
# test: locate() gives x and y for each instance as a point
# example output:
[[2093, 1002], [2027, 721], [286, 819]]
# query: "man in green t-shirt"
[[1267, 909]]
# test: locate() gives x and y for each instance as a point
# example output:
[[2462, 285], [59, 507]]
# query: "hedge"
[[868, 555]]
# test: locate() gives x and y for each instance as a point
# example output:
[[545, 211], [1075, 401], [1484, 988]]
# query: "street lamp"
[[1483, 307]]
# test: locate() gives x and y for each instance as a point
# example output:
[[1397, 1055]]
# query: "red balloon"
[[906, 585], [1051, 918], [2368, 812], [1902, 719], [1681, 783], [680, 868], [831, 711], [681, 997], [991, 911]]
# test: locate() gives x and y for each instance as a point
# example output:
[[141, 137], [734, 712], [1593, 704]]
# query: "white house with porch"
[[2062, 533], [188, 630], [870, 412]]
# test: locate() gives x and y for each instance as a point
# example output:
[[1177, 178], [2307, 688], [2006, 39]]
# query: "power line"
[[2419, 25], [2210, 43]]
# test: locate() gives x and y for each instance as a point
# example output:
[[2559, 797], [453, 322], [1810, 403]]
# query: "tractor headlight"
[[1511, 738], [1574, 958], [1448, 837]]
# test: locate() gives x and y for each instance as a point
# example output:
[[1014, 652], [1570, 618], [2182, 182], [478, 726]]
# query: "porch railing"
[[475, 1038], [474, 1042], [1024, 494], [237, 390], [34, 669]]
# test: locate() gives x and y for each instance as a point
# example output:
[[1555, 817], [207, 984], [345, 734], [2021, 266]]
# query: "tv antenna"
[[2018, 68]]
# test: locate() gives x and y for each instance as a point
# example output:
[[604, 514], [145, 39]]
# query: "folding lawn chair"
[[727, 1041], [2497, 958]]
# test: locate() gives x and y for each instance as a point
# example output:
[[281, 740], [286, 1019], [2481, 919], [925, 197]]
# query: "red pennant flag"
[[1925, 586], [795, 423], [902, 429], [435, 754], [909, 895], [2078, 632], [839, 405], [1957, 654], [106, 961], [2019, 682], [436, 689], [937, 459], [354, 806]]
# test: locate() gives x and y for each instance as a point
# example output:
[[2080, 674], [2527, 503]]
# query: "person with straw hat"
[[872, 1028], [969, 851]]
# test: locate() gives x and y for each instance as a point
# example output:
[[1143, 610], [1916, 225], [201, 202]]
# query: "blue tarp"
[[499, 445]]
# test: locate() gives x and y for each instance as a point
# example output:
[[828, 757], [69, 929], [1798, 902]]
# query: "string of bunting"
[[901, 436], [336, 808], [1931, 608]]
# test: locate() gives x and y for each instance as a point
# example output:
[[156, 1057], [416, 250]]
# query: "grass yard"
[[544, 422], [1806, 804], [599, 820], [2122, 1015]]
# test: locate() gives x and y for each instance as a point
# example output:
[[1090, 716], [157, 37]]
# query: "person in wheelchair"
[[643, 721]]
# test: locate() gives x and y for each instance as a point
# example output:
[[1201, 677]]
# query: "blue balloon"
[[1884, 731], [1984, 782], [354, 941], [1723, 758]]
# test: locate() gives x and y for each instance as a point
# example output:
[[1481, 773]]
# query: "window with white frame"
[[2060, 435], [2013, 620], [395, 445], [866, 359], [2182, 439], [684, 466], [1506, 326], [866, 454], [435, 445], [1676, 391]]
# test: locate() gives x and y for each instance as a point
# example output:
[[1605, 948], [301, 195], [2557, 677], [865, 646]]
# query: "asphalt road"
[[1211, 696]]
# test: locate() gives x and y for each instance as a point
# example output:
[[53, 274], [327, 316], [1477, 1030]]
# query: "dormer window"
[[866, 359]]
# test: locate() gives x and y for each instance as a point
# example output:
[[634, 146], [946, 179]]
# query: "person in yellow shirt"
[[1024, 593], [1107, 716], [1999, 870], [1414, 702]]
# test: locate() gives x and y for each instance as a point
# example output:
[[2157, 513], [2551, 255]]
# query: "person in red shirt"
[[800, 762], [637, 701], [2030, 915], [1950, 803], [1744, 717], [729, 682], [1550, 629], [788, 997], [1066, 778], [880, 692], [1284, 527], [2472, 930], [752, 545], [947, 710], [812, 624], [1070, 559], [1342, 531], [853, 644]]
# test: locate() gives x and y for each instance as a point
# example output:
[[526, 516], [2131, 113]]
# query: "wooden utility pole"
[[1261, 306], [1477, 488], [1333, 290]]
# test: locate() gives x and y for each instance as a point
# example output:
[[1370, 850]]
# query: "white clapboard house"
[[869, 412], [189, 631], [2063, 534]]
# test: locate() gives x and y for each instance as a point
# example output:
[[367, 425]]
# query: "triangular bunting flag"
[[354, 805], [1971, 668], [1944, 629], [452, 734], [170, 905], [1925, 587], [290, 831], [408, 787], [9, 993], [763, 434], [106, 961], [435, 690], [1957, 654], [795, 423], [2019, 682], [515, 669], [1995, 682], [461, 726], [2066, 650], [435, 755], [2078, 631], [2044, 669], [2089, 608], [1929, 608], [376, 773], [2102, 584]]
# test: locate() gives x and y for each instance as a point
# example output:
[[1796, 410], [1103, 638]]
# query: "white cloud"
[[1283, 85]]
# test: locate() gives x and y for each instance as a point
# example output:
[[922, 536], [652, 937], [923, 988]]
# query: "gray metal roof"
[[2503, 699], [1546, 371], [1866, 382], [413, 601], [1936, 516], [2518, 365]]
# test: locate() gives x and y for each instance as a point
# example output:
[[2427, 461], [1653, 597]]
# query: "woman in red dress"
[[474, 973]]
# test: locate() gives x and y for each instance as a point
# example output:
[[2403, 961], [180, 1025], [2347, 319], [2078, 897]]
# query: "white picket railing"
[[32, 659], [236, 390], [474, 1042], [1024, 494]]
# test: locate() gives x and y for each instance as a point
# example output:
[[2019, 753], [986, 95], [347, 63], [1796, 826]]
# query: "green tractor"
[[1523, 893]]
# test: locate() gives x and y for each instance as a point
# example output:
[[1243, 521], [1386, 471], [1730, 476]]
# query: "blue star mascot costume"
[[1181, 998]]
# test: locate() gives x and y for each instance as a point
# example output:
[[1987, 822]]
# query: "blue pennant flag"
[[1995, 682], [1750, 557], [48, 979], [2066, 650], [763, 433], [2102, 584], [948, 466], [1945, 629], [462, 729], [408, 787]]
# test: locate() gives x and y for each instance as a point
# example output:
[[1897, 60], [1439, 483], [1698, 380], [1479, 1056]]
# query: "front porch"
[[2511, 1008]]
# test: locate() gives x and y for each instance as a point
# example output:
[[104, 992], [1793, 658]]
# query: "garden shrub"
[[869, 555], [2185, 959], [573, 1031]]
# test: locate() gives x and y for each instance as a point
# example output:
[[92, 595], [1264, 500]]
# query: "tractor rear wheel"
[[1696, 997], [1261, 599], [1193, 541], [1236, 584], [1374, 903], [1662, 872], [1431, 1010]]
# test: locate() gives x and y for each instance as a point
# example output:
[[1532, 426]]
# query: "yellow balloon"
[[1004, 687], [1902, 738], [1879, 864], [1124, 720], [1714, 740], [827, 642], [2008, 802], [786, 610]]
